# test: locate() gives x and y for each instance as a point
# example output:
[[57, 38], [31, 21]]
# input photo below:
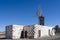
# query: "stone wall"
[[8, 32]]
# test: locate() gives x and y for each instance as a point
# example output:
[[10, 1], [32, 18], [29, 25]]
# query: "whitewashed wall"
[[14, 31], [44, 31], [17, 29]]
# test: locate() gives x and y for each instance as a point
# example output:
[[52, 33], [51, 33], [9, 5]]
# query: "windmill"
[[40, 17]]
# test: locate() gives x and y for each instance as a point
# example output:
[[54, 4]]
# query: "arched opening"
[[25, 34], [22, 34]]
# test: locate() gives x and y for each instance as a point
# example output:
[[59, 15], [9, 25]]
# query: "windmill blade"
[[39, 12]]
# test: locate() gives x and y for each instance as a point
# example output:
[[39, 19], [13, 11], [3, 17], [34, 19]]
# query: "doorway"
[[39, 33], [49, 32], [23, 34]]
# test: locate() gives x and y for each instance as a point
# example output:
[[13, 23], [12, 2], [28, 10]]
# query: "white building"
[[30, 31]]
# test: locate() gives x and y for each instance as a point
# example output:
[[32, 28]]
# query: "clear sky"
[[23, 12]]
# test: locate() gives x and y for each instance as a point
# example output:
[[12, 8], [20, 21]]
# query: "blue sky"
[[23, 12]]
